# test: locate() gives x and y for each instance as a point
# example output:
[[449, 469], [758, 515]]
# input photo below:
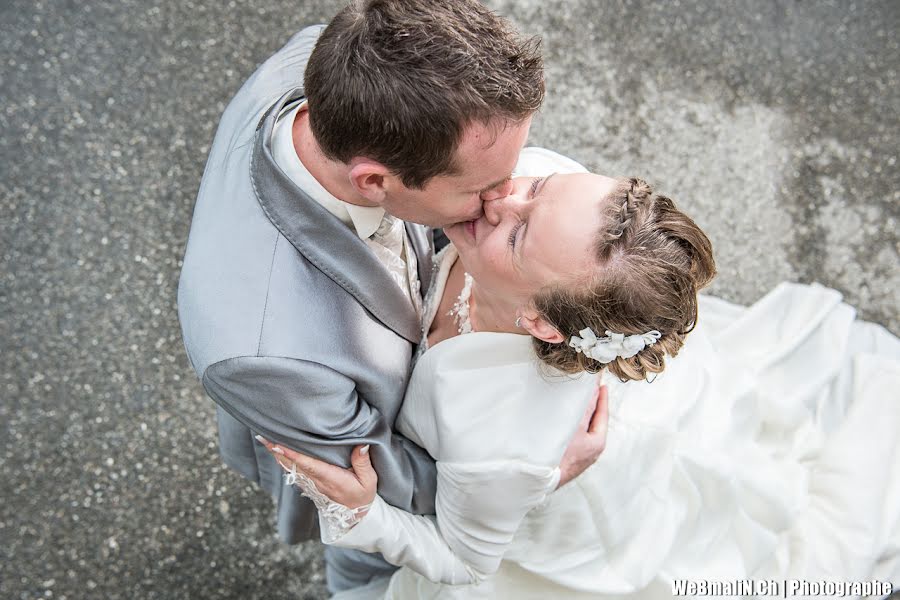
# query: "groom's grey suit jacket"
[[296, 330]]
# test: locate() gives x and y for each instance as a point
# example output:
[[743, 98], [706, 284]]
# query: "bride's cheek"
[[495, 265]]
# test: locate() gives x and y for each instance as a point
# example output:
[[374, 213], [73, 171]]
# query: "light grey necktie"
[[390, 245]]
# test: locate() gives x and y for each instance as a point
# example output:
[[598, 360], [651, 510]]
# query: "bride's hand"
[[353, 487]]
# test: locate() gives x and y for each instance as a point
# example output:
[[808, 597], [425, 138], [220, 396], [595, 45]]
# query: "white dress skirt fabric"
[[768, 449]]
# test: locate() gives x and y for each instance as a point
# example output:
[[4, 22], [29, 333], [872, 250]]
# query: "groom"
[[301, 292]]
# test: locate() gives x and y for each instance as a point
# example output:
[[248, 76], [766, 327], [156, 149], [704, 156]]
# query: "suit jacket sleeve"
[[316, 410]]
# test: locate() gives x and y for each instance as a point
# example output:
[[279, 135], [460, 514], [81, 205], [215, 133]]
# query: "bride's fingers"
[[287, 453], [317, 470], [312, 467]]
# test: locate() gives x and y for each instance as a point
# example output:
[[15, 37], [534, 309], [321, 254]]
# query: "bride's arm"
[[479, 507]]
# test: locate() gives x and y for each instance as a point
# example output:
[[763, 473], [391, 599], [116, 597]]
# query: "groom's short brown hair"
[[398, 81]]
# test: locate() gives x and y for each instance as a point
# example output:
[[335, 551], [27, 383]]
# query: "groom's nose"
[[495, 210], [499, 191], [515, 201]]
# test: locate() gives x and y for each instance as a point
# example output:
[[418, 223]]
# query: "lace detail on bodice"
[[440, 270], [335, 519], [460, 311]]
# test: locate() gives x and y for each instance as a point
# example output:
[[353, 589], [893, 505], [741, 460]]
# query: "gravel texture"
[[775, 123]]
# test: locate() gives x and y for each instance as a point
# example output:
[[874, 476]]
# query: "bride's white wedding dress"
[[769, 448]]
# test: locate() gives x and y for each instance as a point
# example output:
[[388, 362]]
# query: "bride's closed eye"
[[511, 240]]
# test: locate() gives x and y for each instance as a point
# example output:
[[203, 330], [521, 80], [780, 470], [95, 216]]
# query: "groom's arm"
[[313, 409]]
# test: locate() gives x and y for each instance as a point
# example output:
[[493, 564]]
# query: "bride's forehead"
[[586, 185]]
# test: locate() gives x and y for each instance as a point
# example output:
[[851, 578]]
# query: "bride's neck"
[[489, 313]]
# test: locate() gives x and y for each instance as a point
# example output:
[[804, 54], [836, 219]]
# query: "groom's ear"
[[369, 178], [537, 326]]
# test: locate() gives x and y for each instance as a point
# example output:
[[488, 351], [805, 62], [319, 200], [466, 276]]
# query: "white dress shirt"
[[384, 234]]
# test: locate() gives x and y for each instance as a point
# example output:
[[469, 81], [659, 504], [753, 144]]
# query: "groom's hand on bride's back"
[[589, 440]]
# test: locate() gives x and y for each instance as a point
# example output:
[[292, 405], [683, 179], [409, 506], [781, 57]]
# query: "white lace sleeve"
[[335, 520]]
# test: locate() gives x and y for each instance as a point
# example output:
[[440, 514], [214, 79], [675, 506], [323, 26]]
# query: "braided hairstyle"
[[652, 260]]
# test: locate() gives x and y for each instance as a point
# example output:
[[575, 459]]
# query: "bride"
[[763, 445]]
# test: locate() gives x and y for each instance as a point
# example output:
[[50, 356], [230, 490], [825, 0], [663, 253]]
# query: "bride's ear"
[[537, 326]]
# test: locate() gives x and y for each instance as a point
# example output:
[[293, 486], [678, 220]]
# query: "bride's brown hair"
[[652, 262]]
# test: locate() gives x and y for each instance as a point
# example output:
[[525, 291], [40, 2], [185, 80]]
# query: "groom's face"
[[485, 160]]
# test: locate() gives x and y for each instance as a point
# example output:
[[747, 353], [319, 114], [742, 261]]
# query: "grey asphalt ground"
[[775, 123]]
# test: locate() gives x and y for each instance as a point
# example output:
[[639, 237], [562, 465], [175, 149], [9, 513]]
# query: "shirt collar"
[[366, 219]]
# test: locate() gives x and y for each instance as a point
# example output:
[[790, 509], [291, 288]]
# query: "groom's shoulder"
[[241, 281], [255, 295], [279, 73]]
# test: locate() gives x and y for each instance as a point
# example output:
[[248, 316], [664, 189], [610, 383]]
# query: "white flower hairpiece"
[[615, 345]]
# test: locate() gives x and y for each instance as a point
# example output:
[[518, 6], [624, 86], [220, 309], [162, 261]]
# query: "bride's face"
[[543, 232]]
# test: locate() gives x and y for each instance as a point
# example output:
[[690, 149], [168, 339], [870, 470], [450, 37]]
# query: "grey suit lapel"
[[333, 248]]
